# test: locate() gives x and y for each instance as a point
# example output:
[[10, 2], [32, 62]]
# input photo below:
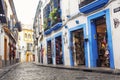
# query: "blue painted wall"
[[92, 41]]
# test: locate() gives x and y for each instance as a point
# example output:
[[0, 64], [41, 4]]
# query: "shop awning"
[[93, 6]]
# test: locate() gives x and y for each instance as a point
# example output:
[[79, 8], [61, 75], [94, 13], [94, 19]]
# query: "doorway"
[[59, 51], [41, 53], [49, 52], [102, 42], [27, 57], [5, 51], [78, 47], [93, 21]]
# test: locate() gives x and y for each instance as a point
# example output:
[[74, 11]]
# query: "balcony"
[[48, 31], [90, 5], [3, 18], [18, 25], [85, 2], [54, 21], [57, 26]]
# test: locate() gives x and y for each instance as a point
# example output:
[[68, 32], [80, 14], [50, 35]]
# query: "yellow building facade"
[[26, 45], [28, 38]]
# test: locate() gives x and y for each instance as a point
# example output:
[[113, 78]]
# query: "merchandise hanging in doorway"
[[49, 53], [103, 53], [59, 54], [78, 52]]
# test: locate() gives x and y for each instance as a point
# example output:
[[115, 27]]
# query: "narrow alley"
[[30, 71], [59, 39]]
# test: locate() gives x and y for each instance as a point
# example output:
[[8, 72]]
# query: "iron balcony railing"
[[85, 2]]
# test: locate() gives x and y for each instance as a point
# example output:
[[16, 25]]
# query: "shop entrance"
[[102, 43], [100, 40], [41, 53], [49, 52], [59, 54], [5, 51], [78, 50]]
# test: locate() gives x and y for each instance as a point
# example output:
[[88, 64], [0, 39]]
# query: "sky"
[[26, 10]]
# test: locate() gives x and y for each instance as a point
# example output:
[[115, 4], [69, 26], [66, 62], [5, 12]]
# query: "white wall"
[[70, 7], [1, 43], [116, 34], [22, 43]]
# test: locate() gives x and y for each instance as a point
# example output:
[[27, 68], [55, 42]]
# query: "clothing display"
[[79, 47], [49, 53], [103, 52], [59, 56]]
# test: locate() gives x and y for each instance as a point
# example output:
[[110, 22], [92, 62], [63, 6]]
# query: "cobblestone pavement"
[[30, 71]]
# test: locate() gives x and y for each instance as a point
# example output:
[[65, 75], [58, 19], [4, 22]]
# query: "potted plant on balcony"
[[53, 15]]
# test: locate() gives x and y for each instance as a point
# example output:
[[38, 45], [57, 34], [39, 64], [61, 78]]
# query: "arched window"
[[25, 35], [29, 36]]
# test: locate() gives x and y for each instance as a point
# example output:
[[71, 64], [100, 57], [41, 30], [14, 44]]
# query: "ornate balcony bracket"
[[93, 6]]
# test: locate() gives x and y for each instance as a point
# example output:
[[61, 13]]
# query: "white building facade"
[[86, 32]]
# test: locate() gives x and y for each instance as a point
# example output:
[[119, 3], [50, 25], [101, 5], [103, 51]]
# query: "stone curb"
[[110, 71]]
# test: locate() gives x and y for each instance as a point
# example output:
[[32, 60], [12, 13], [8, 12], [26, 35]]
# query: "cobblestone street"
[[30, 71]]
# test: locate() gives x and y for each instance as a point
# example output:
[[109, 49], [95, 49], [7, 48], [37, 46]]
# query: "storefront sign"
[[117, 9]]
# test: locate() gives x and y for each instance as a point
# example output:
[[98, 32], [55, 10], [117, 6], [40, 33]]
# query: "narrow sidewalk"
[[5, 70], [83, 68]]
